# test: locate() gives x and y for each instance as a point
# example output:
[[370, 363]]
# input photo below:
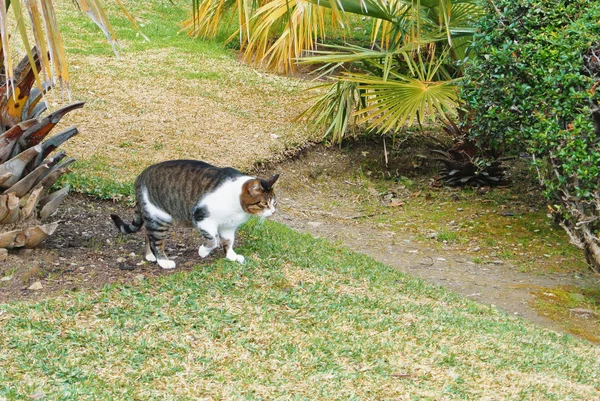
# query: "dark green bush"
[[531, 88]]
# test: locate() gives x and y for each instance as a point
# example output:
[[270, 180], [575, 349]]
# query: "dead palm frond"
[[36, 19]]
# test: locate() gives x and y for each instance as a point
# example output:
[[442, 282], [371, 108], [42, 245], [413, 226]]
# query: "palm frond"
[[8, 68], [282, 31], [392, 104], [334, 109], [207, 15]]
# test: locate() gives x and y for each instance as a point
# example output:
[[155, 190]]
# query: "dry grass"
[[235, 119], [159, 102]]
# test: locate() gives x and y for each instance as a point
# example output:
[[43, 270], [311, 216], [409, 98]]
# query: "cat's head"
[[257, 196]]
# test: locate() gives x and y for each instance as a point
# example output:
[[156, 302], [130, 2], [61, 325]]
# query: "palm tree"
[[28, 169], [405, 75]]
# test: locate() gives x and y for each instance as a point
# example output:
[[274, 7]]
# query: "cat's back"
[[177, 185]]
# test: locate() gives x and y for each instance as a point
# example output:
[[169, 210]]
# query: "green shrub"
[[531, 87]]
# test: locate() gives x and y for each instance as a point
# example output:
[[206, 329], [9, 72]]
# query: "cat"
[[214, 200]]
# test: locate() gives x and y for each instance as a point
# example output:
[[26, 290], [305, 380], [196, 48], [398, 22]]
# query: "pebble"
[[314, 223], [120, 260], [496, 262], [36, 286], [3, 254], [139, 277], [6, 278]]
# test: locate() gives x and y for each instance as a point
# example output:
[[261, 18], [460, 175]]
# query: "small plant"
[[465, 164], [447, 236]]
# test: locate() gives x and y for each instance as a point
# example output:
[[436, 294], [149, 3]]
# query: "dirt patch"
[[86, 252]]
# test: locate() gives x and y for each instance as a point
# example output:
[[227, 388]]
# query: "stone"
[[314, 224], [36, 286], [3, 254], [583, 313]]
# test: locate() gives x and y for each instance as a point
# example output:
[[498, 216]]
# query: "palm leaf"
[[16, 6], [56, 47], [394, 103], [282, 31], [8, 68], [334, 108], [39, 37]]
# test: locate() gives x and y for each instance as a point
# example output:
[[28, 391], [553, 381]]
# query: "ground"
[[86, 252]]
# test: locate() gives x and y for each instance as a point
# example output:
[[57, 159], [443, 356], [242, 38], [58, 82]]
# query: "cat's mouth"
[[267, 212]]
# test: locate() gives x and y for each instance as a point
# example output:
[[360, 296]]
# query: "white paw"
[[204, 251], [150, 257], [166, 263], [235, 257]]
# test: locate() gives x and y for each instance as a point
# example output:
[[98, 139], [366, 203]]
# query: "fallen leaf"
[[396, 203]]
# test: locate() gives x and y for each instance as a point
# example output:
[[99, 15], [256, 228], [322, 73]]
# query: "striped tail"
[[135, 225]]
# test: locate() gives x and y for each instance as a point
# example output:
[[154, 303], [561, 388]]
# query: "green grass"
[[84, 178], [301, 320], [158, 20]]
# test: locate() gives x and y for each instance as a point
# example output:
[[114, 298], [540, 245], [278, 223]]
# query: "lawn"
[[303, 319]]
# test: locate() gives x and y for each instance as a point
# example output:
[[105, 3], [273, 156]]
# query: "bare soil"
[[86, 252]]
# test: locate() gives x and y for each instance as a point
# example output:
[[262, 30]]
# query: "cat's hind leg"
[[209, 232], [156, 232], [149, 254], [228, 236]]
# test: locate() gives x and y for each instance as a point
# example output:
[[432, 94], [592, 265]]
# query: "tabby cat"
[[214, 200]]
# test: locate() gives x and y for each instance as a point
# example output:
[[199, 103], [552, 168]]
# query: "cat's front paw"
[[166, 263], [235, 257], [204, 251], [150, 257]]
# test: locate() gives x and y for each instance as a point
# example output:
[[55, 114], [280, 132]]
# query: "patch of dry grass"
[[160, 101]]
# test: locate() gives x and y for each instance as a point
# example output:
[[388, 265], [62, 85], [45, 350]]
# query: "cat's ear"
[[271, 181], [255, 187]]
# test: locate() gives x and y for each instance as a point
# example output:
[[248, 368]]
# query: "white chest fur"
[[223, 205]]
